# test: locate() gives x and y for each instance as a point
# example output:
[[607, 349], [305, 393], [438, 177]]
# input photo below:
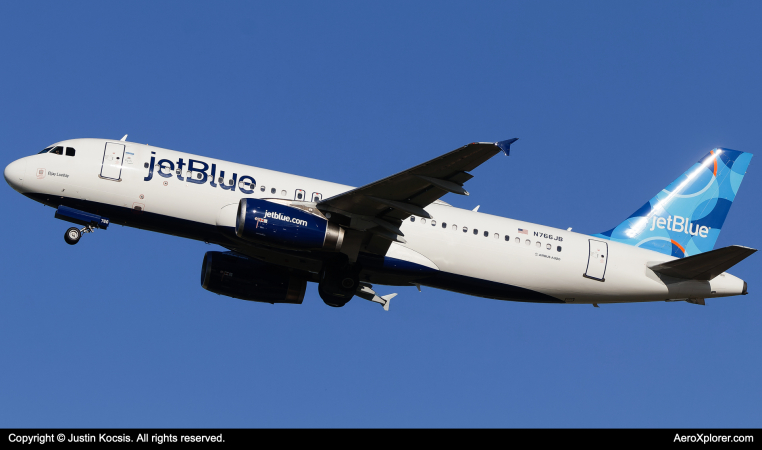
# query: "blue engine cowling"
[[268, 222], [237, 276]]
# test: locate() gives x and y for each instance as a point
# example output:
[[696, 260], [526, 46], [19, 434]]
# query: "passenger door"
[[597, 260], [111, 166]]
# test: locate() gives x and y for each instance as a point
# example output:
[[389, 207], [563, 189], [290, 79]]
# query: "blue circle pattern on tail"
[[686, 217]]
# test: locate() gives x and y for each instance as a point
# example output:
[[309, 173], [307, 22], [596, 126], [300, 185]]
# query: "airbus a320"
[[283, 231]]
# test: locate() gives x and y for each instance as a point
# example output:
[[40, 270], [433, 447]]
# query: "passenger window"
[[465, 229], [538, 244], [45, 150], [283, 193], [433, 223], [486, 233], [528, 242], [272, 191], [548, 246], [230, 182], [497, 236], [518, 240], [423, 221], [221, 180], [507, 238], [476, 231], [178, 171], [455, 227], [299, 196], [262, 189], [70, 151], [145, 165], [444, 225], [558, 248], [198, 175], [57, 151], [412, 218]]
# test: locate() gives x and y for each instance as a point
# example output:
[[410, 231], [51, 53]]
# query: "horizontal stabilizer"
[[704, 266]]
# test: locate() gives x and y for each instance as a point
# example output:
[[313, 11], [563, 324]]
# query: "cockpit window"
[[57, 151], [45, 150], [70, 151]]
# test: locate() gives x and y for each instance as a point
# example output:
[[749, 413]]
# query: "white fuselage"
[[541, 259]]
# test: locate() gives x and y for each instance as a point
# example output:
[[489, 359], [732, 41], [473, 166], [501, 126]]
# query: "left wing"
[[381, 206]]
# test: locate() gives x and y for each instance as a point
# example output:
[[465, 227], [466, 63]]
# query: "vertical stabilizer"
[[686, 217]]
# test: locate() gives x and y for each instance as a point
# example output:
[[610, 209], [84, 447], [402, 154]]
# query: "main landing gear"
[[339, 281], [73, 235]]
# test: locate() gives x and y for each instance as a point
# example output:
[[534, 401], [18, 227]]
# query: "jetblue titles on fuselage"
[[199, 173]]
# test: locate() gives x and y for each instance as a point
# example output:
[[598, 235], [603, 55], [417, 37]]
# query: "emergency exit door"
[[597, 260], [113, 156]]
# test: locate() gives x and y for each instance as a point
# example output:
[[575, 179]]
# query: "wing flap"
[[704, 266]]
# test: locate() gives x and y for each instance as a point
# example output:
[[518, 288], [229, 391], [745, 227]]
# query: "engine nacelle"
[[234, 275], [263, 221]]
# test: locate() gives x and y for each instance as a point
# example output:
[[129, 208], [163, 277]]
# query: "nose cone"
[[14, 174]]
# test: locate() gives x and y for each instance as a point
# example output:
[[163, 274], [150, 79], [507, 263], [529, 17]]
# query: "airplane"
[[282, 231]]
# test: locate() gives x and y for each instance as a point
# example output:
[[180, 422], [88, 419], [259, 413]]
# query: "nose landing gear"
[[73, 235], [90, 222]]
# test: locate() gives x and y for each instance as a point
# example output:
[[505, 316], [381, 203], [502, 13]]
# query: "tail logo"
[[686, 217], [683, 225]]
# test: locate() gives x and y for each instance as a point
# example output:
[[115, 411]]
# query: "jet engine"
[[235, 275], [263, 221]]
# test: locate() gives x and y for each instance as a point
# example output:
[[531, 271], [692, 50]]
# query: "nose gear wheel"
[[73, 235]]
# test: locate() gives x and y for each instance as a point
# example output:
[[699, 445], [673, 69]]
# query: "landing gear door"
[[597, 260], [113, 156]]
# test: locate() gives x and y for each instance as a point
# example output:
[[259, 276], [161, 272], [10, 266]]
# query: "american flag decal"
[[523, 231]]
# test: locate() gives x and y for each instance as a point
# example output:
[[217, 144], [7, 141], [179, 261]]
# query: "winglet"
[[505, 146]]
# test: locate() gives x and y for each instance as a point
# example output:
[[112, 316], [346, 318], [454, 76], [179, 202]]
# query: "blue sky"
[[611, 102]]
